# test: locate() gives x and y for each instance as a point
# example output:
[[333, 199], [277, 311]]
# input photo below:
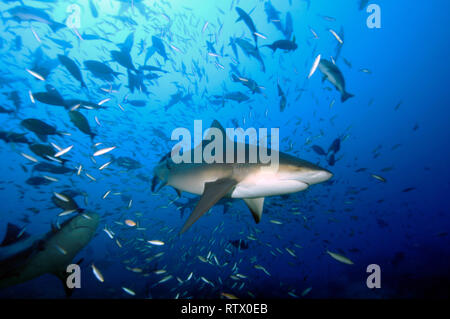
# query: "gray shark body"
[[249, 181], [28, 257]]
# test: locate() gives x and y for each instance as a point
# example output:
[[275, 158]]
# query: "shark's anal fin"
[[256, 207], [213, 192], [62, 275]]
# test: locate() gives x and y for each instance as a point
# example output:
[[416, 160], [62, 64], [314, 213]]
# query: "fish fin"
[[256, 207], [238, 19], [345, 96], [42, 137], [155, 181], [62, 274], [12, 231], [178, 191], [56, 26], [216, 124], [324, 77], [213, 192], [161, 185]]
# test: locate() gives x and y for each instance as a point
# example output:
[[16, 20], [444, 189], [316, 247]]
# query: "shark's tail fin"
[[345, 96]]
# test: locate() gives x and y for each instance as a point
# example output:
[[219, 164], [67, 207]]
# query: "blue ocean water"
[[386, 203]]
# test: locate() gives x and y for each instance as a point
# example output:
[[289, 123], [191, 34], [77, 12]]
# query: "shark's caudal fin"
[[12, 235], [256, 207], [213, 192]]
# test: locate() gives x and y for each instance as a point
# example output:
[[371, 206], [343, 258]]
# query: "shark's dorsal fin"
[[216, 124], [12, 235], [256, 207], [213, 192]]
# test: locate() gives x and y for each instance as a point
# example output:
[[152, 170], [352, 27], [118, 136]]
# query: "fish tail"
[[345, 96], [56, 26]]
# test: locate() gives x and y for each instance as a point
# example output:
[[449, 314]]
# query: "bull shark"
[[24, 257], [248, 181]]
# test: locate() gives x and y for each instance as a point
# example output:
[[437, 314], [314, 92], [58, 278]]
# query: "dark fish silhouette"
[[239, 243], [318, 150], [72, 67]]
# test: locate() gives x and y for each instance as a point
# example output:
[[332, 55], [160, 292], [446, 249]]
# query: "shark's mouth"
[[84, 226], [296, 180]]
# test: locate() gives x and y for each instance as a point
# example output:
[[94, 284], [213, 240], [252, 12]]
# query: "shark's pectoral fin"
[[256, 207], [213, 192]]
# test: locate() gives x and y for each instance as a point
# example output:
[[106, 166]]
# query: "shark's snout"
[[315, 176], [319, 176]]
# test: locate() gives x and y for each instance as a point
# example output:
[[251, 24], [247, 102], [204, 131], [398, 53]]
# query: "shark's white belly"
[[267, 187]]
